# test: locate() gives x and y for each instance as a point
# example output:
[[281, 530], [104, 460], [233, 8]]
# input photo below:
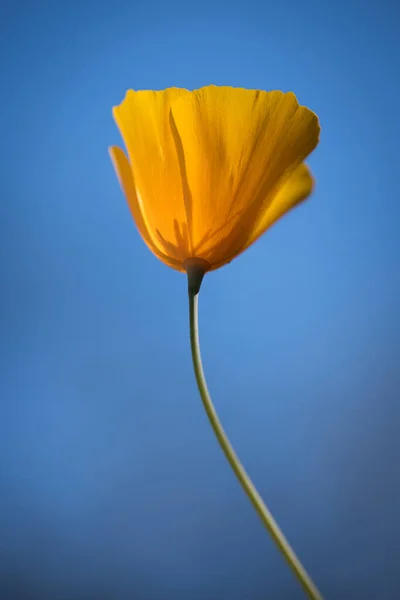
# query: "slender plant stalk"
[[236, 465]]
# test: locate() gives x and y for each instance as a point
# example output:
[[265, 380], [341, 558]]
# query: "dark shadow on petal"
[[169, 248], [182, 235], [187, 194], [212, 233], [180, 243]]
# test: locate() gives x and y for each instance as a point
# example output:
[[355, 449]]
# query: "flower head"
[[210, 170]]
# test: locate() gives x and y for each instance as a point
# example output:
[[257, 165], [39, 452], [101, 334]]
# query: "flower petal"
[[237, 147], [144, 121], [125, 177], [296, 188]]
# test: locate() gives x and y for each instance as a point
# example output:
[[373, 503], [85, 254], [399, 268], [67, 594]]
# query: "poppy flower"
[[209, 170], [207, 173]]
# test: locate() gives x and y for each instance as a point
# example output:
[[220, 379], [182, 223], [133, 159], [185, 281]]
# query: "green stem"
[[236, 465]]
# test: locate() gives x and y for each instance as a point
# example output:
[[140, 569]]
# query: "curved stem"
[[236, 465]]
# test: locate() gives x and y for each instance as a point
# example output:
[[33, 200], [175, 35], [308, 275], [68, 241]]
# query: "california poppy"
[[208, 172]]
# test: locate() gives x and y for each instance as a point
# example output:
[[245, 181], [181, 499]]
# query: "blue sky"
[[113, 486]]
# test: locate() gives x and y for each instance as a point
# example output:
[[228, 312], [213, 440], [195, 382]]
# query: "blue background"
[[112, 484]]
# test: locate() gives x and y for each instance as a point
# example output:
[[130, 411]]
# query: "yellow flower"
[[210, 170]]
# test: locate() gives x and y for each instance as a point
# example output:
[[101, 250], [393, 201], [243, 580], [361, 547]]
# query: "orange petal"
[[296, 188], [237, 145], [144, 121], [125, 177]]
